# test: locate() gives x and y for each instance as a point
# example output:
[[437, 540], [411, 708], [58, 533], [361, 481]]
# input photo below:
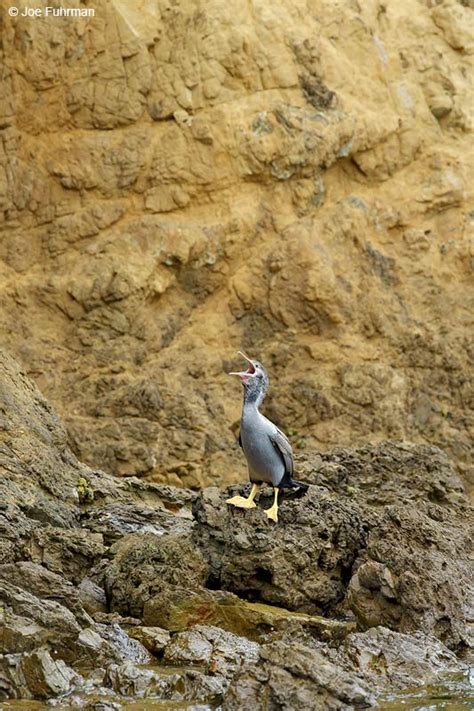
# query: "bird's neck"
[[253, 400]]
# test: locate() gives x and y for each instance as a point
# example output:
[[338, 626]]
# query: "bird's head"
[[255, 379]]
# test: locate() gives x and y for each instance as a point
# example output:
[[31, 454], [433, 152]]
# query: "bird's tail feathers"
[[300, 486]]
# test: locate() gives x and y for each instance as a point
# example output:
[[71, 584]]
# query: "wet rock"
[[99, 645], [34, 675], [174, 499], [144, 564], [387, 659], [416, 574], [177, 686], [119, 519], [190, 647], [294, 677], [154, 639], [129, 680], [59, 626], [125, 648], [44, 676], [202, 688], [28, 621], [100, 706], [301, 563], [221, 652]]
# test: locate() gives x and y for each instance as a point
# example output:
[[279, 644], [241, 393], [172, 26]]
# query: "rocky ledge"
[[118, 589]]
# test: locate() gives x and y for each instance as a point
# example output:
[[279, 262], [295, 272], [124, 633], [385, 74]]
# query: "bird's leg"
[[272, 512], [245, 503]]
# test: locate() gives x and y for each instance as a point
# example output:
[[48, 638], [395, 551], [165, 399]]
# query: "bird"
[[267, 449]]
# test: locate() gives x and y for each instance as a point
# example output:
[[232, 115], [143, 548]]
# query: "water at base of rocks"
[[138, 705], [456, 693]]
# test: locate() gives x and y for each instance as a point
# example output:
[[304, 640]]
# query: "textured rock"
[[383, 530], [292, 673], [221, 651], [57, 624], [116, 520], [69, 553], [395, 473], [296, 677], [409, 563], [34, 675], [296, 179], [154, 639], [416, 573], [406, 660], [301, 563], [92, 597], [177, 609], [129, 680], [145, 564]]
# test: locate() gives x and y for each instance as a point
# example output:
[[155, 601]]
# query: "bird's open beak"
[[244, 375]]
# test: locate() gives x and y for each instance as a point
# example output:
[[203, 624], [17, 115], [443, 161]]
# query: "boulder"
[[222, 653], [35, 675], [295, 677], [416, 573], [386, 658], [301, 563], [142, 565]]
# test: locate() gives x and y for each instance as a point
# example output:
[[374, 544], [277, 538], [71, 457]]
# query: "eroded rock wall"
[[182, 179]]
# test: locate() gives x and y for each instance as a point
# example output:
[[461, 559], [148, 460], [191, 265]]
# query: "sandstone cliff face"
[[182, 179]]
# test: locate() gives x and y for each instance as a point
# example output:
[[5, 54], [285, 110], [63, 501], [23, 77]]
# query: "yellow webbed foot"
[[272, 513], [241, 503]]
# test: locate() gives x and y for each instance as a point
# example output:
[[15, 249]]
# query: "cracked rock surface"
[[294, 179]]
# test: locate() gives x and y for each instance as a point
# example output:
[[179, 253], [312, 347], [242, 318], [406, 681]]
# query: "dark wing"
[[281, 443], [240, 440]]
